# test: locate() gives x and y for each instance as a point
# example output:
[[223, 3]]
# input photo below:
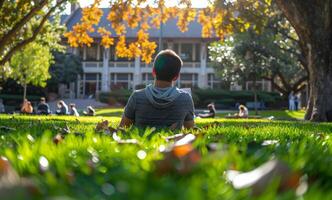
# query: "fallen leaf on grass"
[[58, 138], [102, 126], [7, 129], [213, 124], [12, 186], [181, 157], [262, 177]]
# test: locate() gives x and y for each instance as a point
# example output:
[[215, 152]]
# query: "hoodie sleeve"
[[129, 110], [191, 110]]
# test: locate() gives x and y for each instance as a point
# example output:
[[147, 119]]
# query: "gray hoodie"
[[160, 107], [162, 97]]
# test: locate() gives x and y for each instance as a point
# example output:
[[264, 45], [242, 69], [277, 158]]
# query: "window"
[[260, 85], [91, 53], [111, 53], [186, 52], [176, 48], [213, 82], [188, 80], [198, 52], [92, 83], [121, 81], [81, 52]]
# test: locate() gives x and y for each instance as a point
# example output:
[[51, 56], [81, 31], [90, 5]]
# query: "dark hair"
[[167, 65]]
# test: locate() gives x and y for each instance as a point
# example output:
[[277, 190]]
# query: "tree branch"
[[275, 85], [21, 44], [7, 37], [300, 82], [283, 80]]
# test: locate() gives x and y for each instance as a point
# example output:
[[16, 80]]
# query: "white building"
[[104, 71]]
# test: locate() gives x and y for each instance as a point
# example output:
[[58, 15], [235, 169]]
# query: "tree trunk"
[[320, 97], [24, 91], [312, 21]]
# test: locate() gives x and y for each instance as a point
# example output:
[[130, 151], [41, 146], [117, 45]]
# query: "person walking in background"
[[291, 101], [89, 111], [26, 107], [296, 102], [73, 110], [63, 108], [43, 108]]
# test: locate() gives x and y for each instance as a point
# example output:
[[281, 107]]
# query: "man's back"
[[160, 107]]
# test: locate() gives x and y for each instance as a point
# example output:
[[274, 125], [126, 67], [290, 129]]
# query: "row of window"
[[125, 81], [189, 52]]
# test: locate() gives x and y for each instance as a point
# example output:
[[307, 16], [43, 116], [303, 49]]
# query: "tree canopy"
[[65, 68], [31, 64], [25, 21], [276, 53], [219, 19]]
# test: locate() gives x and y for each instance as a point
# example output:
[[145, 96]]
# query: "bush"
[[228, 99], [115, 97], [222, 98]]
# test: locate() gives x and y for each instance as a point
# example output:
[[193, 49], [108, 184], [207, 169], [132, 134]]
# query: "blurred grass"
[[96, 167]]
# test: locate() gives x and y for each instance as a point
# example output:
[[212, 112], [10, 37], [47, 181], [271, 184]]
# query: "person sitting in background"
[[43, 108], [162, 104], [210, 114], [63, 108], [73, 110], [243, 112], [26, 107], [89, 111]]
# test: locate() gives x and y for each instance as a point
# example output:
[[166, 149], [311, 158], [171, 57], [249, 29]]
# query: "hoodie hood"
[[161, 97]]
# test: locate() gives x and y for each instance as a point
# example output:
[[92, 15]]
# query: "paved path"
[[81, 104]]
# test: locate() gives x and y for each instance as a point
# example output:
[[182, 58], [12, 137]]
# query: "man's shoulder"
[[139, 94], [184, 93]]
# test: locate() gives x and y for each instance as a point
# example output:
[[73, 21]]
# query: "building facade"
[[104, 71]]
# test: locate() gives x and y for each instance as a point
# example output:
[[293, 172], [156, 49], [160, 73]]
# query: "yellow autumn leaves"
[[139, 15]]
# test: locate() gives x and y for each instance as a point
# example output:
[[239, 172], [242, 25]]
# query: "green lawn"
[[90, 165]]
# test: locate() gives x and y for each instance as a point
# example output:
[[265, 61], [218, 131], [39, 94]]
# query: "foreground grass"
[[93, 166]]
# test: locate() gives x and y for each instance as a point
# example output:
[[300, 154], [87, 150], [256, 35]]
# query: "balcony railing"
[[126, 64], [92, 64], [121, 64]]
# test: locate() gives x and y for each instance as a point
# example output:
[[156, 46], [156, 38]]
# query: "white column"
[[202, 78], [105, 77], [137, 79]]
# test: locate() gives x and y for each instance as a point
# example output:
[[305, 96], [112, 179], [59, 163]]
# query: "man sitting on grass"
[[162, 104]]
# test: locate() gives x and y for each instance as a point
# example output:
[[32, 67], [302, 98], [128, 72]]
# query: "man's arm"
[[129, 113], [126, 122], [189, 124], [189, 119]]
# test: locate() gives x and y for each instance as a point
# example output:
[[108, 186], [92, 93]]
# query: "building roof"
[[170, 29]]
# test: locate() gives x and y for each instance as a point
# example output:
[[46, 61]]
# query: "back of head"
[[167, 65]]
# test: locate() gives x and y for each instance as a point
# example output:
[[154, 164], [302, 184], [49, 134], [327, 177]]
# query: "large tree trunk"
[[312, 20]]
